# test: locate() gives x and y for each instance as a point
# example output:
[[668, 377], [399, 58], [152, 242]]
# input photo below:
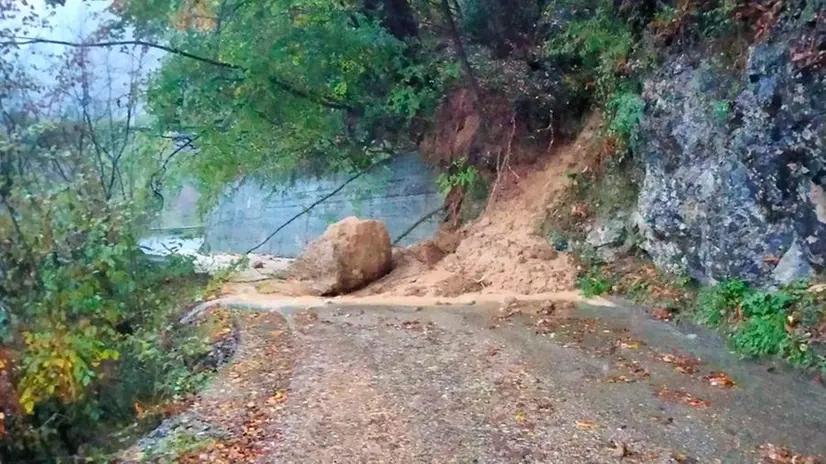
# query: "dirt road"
[[486, 384]]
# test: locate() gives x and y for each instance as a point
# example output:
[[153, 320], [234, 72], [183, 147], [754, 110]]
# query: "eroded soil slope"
[[502, 250]]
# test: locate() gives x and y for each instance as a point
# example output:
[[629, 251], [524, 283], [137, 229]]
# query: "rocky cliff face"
[[735, 167]]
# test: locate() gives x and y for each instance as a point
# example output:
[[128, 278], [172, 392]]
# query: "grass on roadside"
[[789, 324]]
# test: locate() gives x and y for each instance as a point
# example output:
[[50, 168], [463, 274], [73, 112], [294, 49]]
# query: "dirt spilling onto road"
[[502, 250]]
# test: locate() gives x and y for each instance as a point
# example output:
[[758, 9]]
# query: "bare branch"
[[31, 41], [277, 81]]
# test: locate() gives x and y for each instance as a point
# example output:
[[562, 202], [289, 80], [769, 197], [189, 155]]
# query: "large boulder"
[[735, 167], [349, 255]]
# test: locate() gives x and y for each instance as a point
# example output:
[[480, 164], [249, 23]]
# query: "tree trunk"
[[460, 51]]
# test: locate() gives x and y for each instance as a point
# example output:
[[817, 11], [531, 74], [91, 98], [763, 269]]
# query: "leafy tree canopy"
[[281, 86]]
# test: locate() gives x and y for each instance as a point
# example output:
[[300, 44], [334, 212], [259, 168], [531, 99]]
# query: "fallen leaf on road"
[[681, 396], [682, 364], [719, 379], [520, 417], [680, 457], [662, 314], [618, 449], [586, 424], [629, 343], [543, 405], [773, 454], [280, 396]]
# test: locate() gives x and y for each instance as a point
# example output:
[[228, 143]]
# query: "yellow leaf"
[[586, 425], [279, 397]]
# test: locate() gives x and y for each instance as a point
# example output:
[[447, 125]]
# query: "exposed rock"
[[607, 238], [735, 167], [351, 254], [793, 266]]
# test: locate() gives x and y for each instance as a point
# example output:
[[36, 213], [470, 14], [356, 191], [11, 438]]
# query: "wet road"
[[525, 383]]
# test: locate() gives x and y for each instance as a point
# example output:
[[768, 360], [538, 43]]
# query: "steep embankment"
[[502, 251]]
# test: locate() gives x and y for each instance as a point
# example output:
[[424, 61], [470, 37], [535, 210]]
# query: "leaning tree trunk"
[[460, 51]]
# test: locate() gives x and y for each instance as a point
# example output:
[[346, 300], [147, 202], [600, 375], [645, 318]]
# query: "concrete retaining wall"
[[398, 193]]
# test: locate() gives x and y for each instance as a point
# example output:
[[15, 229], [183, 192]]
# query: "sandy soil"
[[502, 250]]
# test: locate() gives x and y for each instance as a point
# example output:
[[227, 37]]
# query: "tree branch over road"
[[279, 82]]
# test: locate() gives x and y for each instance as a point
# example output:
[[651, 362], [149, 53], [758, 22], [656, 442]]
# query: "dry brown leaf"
[[682, 364], [773, 454], [661, 314], [620, 379], [629, 343], [681, 396], [817, 288], [618, 449], [586, 424], [719, 379], [280, 396]]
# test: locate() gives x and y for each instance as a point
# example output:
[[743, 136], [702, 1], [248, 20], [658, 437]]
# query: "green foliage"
[[715, 302], [601, 44], [762, 331], [594, 282], [761, 323], [718, 20], [500, 24], [459, 175], [83, 309], [302, 85], [625, 113]]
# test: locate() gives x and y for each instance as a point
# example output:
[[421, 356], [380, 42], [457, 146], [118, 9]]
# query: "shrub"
[[460, 175], [594, 283], [600, 45], [625, 111], [85, 319], [760, 323]]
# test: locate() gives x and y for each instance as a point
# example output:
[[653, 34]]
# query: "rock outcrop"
[[735, 168], [349, 255]]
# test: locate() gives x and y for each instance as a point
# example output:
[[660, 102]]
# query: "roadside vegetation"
[[613, 52], [269, 90]]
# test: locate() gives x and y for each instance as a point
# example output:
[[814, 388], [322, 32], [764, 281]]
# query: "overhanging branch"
[[279, 82]]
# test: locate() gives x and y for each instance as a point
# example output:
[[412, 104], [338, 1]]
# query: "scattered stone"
[[561, 245], [793, 266]]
